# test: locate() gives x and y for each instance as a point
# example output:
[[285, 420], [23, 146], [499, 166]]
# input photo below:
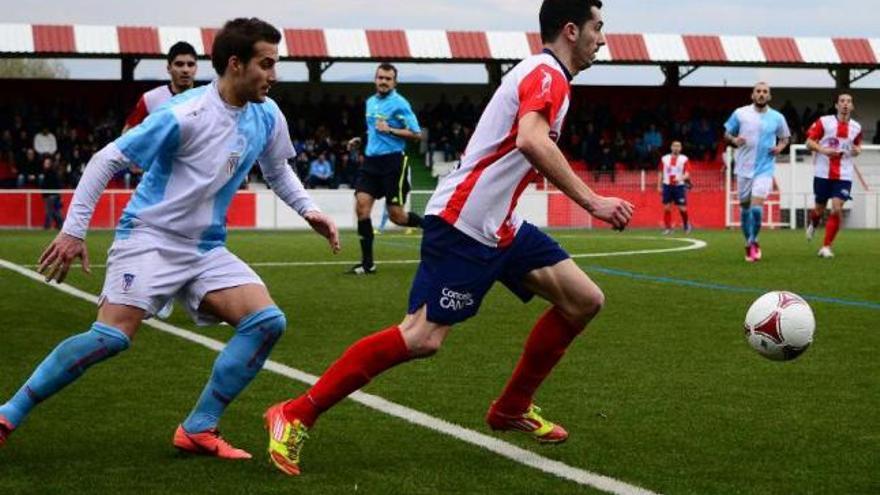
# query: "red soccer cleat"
[[529, 422], [208, 443]]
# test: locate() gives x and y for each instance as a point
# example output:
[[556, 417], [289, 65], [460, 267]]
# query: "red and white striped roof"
[[420, 44]]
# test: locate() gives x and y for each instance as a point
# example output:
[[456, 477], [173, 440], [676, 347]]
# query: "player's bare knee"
[[584, 305]]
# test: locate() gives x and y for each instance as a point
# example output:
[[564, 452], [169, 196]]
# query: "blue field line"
[[726, 288]]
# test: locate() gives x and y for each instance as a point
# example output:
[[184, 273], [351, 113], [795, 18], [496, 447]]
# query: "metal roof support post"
[[128, 66], [841, 77], [496, 72], [673, 77]]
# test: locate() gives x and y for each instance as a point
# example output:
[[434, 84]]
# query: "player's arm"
[[814, 134], [287, 186], [731, 132], [781, 143], [533, 140], [69, 244], [660, 178], [856, 149]]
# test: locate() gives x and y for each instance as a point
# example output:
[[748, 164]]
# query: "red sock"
[[545, 346], [814, 217], [831, 228], [667, 219], [364, 360], [684, 218]]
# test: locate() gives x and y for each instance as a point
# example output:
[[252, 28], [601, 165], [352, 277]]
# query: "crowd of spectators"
[[47, 147]]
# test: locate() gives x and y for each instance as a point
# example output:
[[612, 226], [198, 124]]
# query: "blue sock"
[[236, 366], [745, 220], [757, 214], [62, 366]]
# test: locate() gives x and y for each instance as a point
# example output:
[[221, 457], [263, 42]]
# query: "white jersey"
[[479, 197], [674, 167], [148, 103], [196, 152], [761, 131], [838, 135]]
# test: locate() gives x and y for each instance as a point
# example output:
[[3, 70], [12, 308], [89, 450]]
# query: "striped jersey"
[[761, 131], [196, 152], [148, 103], [480, 196], [838, 135], [674, 167]]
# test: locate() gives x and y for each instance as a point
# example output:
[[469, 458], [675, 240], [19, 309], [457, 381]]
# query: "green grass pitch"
[[662, 391]]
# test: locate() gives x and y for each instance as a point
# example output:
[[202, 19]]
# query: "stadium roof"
[[88, 41]]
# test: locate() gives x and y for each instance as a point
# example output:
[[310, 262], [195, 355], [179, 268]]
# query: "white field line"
[[691, 244], [492, 444]]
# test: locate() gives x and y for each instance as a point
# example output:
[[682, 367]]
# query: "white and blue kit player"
[[759, 134], [170, 241]]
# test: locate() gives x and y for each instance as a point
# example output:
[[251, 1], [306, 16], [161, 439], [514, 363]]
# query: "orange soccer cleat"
[[208, 443], [5, 429], [529, 422]]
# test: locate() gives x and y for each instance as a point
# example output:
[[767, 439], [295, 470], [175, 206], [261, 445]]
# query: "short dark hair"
[[237, 38], [387, 66], [181, 48], [555, 14]]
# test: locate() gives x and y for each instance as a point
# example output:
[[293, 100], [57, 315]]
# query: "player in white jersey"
[[473, 238], [181, 69], [759, 134], [672, 181], [170, 242], [834, 140]]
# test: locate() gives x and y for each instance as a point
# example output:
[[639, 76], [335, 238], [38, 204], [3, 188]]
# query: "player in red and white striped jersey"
[[473, 238], [672, 182], [182, 69], [834, 140]]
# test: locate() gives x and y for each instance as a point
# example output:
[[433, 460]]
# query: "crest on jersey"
[[546, 82], [235, 155], [127, 281]]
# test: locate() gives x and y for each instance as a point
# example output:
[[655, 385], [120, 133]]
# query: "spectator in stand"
[[6, 141], [606, 161], [320, 172], [590, 146], [29, 173], [8, 172], [702, 139], [45, 143], [652, 140], [76, 167], [51, 182]]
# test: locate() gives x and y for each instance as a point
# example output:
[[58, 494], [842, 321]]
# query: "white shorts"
[[758, 187], [147, 270]]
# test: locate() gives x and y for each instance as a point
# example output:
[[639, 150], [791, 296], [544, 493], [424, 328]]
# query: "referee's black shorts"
[[384, 176]]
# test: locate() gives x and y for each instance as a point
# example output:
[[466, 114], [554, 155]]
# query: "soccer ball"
[[780, 325]]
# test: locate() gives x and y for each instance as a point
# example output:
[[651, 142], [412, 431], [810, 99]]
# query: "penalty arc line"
[[492, 444], [691, 245]]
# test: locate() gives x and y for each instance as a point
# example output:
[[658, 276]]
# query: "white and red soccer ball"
[[780, 325]]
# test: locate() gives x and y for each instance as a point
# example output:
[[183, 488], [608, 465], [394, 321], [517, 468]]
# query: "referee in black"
[[390, 123]]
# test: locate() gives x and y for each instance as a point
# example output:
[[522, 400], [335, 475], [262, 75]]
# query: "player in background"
[[672, 182], [473, 237], [834, 140], [182, 69], [759, 133], [390, 123], [170, 242]]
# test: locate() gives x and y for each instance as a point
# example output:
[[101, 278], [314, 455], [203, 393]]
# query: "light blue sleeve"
[[732, 124], [406, 114], [782, 130], [158, 135]]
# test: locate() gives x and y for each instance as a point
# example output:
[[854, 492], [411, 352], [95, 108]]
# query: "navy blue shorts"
[[674, 194], [825, 189], [457, 271]]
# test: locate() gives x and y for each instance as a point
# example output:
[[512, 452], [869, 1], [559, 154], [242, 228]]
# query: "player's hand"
[[355, 141], [59, 255], [382, 126], [739, 141], [831, 152], [616, 211], [325, 226]]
